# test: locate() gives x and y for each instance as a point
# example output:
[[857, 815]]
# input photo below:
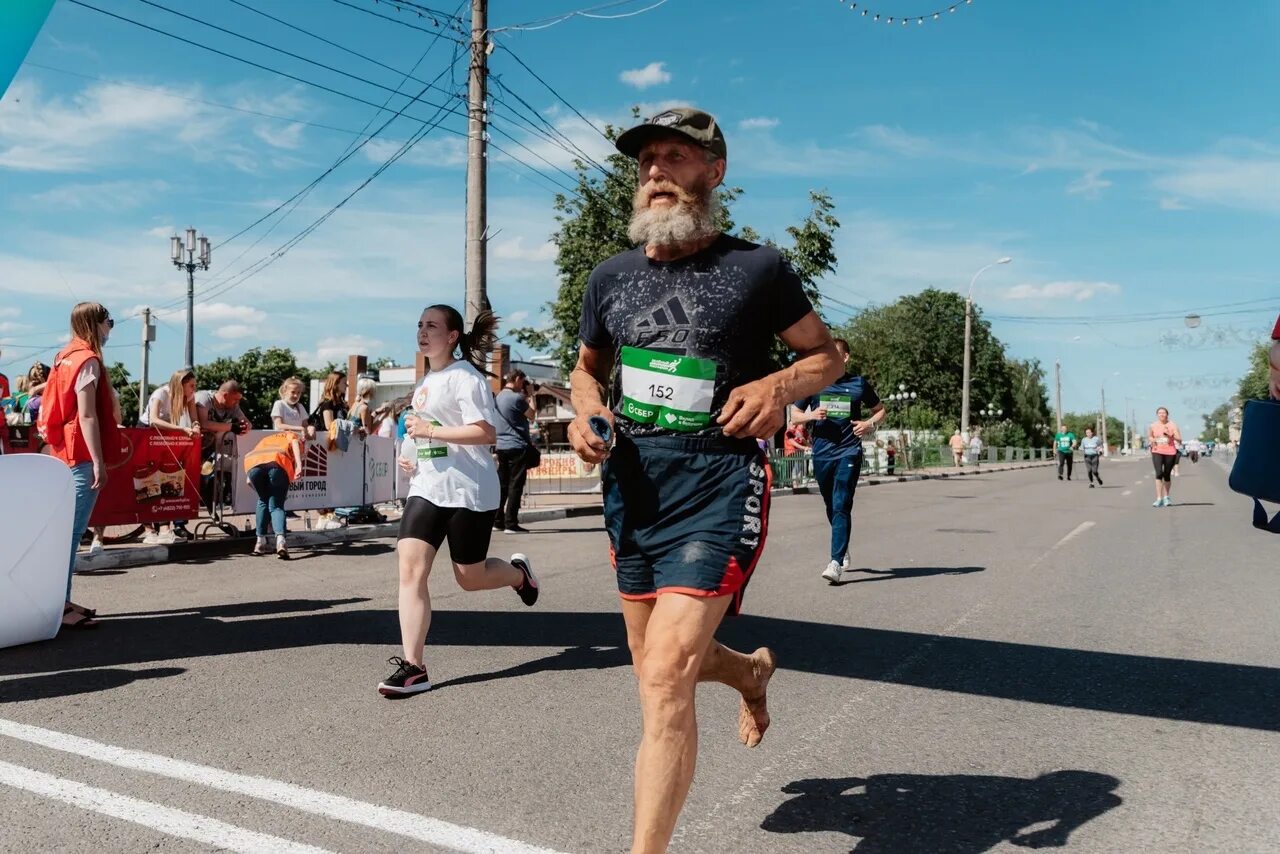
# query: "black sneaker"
[[1059, 477], [529, 590], [1091, 486], [408, 679], [1099, 481], [180, 532], [515, 529], [498, 525]]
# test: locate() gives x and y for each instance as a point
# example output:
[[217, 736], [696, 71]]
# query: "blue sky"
[[1125, 155]]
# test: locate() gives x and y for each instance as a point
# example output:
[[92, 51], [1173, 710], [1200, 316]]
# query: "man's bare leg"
[[673, 636], [748, 675]]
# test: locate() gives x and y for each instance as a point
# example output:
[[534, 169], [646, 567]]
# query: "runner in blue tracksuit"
[[836, 428]]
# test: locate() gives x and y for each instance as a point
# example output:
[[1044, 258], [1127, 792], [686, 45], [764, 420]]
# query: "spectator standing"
[[37, 379], [220, 419], [76, 422], [333, 402], [362, 413], [957, 448], [288, 414], [891, 454], [172, 409], [514, 444]]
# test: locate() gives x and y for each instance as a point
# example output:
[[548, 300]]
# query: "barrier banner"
[[157, 481], [362, 474]]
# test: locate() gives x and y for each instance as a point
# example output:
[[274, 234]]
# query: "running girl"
[[1164, 437], [454, 490]]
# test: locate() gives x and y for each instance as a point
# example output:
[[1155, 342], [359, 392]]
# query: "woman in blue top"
[[1091, 447]]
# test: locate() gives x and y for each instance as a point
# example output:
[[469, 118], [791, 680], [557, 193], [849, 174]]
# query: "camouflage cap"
[[701, 128]]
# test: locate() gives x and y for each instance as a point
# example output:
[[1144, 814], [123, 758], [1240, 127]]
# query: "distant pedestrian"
[[975, 448], [1064, 441], [891, 455], [1091, 447], [1164, 437], [957, 448], [515, 449]]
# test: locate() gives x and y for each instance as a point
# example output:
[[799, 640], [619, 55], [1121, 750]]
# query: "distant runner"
[[1091, 447]]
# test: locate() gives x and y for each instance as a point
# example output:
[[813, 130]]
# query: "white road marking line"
[[1139, 482], [1126, 492], [455, 837], [1077, 531], [174, 822]]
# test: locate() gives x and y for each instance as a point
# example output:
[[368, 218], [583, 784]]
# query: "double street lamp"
[[193, 254], [991, 412], [905, 397], [968, 343]]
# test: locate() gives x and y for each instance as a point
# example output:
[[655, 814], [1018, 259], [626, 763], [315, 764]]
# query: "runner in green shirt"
[[1065, 441]]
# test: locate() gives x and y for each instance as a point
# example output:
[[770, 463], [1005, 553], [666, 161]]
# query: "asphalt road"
[[1015, 660]]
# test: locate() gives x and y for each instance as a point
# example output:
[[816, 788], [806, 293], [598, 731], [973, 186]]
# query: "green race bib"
[[674, 392], [429, 449], [837, 405]]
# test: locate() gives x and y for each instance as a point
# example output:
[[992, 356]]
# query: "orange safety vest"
[[59, 421], [276, 449]]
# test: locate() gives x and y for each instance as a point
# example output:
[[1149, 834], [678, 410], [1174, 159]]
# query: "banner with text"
[[158, 480], [362, 474]]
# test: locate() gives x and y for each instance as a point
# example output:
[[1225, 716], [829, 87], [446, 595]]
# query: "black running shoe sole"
[[528, 592]]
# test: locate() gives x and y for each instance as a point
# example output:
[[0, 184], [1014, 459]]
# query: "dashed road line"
[[455, 837], [167, 820]]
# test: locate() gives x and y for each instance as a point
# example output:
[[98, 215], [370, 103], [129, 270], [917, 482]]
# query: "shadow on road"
[[946, 814], [907, 572], [74, 682], [1171, 688]]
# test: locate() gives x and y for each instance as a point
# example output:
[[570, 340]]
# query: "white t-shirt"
[[293, 416], [161, 396], [466, 475]]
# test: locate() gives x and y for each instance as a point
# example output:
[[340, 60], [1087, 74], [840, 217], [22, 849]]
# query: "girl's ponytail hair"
[[476, 344]]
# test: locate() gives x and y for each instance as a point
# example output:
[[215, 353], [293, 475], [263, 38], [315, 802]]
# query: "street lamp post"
[[968, 339], [905, 397], [193, 254]]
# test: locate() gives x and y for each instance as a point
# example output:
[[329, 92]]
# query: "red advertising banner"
[[158, 480]]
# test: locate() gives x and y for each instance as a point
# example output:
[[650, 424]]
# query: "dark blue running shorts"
[[686, 515]]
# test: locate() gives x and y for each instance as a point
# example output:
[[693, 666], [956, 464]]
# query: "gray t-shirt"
[[1090, 445], [214, 412], [513, 421]]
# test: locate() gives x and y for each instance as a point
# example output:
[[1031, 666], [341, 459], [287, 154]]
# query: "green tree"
[[260, 373], [1077, 421], [918, 341], [1221, 415], [593, 227], [127, 390], [1030, 399], [1254, 384]]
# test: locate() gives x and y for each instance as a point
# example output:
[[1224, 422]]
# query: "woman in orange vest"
[[77, 425], [271, 466]]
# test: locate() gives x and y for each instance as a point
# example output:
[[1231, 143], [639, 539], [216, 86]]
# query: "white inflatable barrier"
[[37, 508]]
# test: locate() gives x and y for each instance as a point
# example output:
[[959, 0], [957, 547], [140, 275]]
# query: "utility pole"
[[477, 299], [968, 344], [1104, 421], [148, 335], [1057, 394], [194, 255]]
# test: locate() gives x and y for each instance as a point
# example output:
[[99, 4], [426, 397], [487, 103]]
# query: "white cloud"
[[288, 136], [516, 317], [162, 231], [758, 123], [1090, 185], [10, 326], [897, 140], [1172, 204], [235, 331], [1238, 174], [442, 152], [652, 74], [110, 196], [1077, 291], [10, 312], [338, 348], [515, 250]]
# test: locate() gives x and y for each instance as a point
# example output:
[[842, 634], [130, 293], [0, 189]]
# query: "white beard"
[[675, 226]]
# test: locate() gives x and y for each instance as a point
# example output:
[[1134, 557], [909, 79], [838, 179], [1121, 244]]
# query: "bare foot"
[[753, 713]]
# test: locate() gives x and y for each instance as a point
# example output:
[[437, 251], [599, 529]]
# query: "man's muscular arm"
[[586, 387], [755, 410]]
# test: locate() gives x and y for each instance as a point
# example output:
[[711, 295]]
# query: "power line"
[[207, 103], [281, 50], [240, 59], [549, 125], [544, 23], [402, 23], [550, 89], [356, 53]]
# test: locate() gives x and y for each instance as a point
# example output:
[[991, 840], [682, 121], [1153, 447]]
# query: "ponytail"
[[476, 344]]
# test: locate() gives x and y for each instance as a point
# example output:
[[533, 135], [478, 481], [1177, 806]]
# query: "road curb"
[[207, 549]]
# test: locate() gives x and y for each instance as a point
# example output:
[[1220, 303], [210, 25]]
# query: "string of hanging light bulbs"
[[905, 20]]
